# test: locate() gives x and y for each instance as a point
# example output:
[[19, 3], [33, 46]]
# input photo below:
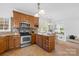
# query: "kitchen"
[[19, 37]]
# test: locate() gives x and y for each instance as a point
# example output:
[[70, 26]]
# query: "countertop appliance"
[[24, 30]]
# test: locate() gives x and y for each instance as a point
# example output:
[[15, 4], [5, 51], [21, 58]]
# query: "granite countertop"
[[14, 34], [7, 34], [46, 34]]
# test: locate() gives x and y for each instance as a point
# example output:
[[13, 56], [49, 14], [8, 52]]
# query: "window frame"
[[9, 25]]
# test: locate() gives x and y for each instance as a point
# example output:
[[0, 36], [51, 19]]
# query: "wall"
[[71, 26], [5, 12]]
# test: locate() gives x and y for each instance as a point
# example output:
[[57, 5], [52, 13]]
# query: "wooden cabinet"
[[33, 39], [19, 17], [49, 43], [16, 41], [36, 21], [11, 42], [46, 42], [3, 44], [39, 40], [7, 42], [31, 21]]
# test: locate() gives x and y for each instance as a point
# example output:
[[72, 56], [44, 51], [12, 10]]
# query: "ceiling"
[[56, 11]]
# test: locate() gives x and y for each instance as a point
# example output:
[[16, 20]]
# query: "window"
[[5, 24], [59, 29]]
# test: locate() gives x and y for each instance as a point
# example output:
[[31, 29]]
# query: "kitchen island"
[[47, 42]]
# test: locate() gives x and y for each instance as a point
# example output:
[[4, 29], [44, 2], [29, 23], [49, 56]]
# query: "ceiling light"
[[40, 11]]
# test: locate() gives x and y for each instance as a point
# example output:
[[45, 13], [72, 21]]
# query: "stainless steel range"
[[25, 40], [25, 34]]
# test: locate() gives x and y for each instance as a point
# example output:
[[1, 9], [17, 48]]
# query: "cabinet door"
[[44, 42], [31, 21], [16, 22], [16, 41], [2, 44], [37, 39], [11, 42], [6, 42], [36, 21], [52, 42], [33, 39], [40, 41]]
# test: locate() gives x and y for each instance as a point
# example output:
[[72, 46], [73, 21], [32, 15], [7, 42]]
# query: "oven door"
[[25, 39]]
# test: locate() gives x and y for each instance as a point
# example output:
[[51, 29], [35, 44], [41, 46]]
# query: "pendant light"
[[40, 11]]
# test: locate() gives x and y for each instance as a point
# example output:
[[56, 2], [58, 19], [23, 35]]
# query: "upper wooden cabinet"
[[19, 17]]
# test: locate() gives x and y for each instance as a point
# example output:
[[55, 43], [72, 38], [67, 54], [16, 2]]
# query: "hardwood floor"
[[61, 49]]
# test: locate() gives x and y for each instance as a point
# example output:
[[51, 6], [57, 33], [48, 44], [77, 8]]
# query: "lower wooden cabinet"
[[9, 42], [14, 41], [3, 44], [17, 42], [33, 38], [39, 40], [46, 42], [49, 43]]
